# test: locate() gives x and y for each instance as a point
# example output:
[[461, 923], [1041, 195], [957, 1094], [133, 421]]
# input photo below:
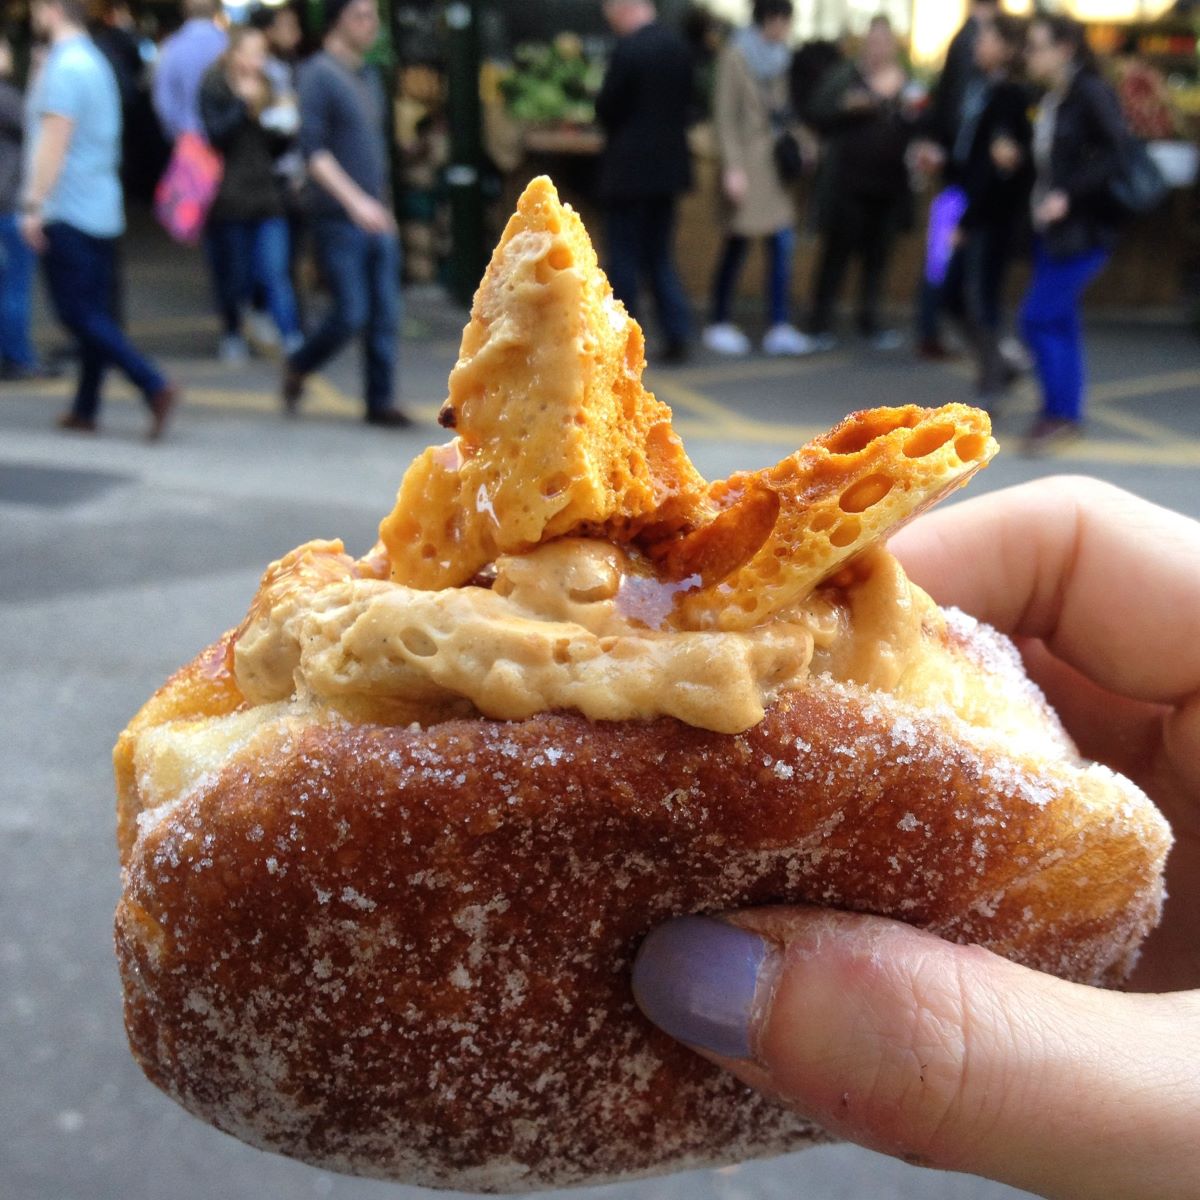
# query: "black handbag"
[[789, 158], [1139, 188]]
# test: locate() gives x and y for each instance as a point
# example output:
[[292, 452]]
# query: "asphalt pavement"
[[118, 560]]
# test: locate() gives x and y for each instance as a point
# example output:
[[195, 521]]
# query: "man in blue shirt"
[[72, 210], [342, 124], [185, 56]]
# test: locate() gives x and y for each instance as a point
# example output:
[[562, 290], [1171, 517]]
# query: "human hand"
[[33, 232], [888, 82], [251, 88], [948, 1055], [371, 216], [736, 185], [928, 157], [1006, 154], [858, 100], [1054, 207]]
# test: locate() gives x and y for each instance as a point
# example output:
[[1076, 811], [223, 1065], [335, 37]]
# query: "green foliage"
[[553, 82]]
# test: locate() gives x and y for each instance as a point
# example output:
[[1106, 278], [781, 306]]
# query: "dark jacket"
[[249, 189], [1086, 156], [944, 114], [998, 198], [644, 106], [864, 148]]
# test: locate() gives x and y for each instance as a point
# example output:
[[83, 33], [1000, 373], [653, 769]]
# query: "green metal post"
[[463, 176]]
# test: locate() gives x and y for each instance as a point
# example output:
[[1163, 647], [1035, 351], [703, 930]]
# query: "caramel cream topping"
[[557, 630]]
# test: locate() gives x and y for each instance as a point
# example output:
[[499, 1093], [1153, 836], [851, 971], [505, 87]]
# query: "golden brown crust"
[[405, 953], [205, 687]]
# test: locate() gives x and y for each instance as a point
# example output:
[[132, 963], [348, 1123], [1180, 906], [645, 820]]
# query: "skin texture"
[[947, 1055]]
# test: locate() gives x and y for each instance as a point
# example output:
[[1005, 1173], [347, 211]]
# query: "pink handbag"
[[187, 188]]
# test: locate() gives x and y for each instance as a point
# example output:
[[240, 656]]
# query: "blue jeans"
[[81, 276], [780, 246], [248, 253], [363, 273], [16, 286], [640, 236], [1052, 328]]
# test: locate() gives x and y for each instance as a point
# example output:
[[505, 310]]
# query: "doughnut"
[[389, 845]]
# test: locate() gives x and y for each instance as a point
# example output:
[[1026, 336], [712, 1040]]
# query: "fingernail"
[[696, 979]]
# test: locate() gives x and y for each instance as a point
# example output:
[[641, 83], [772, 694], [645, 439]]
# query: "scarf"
[[767, 60]]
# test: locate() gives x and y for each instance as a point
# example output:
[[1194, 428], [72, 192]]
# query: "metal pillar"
[[463, 176]]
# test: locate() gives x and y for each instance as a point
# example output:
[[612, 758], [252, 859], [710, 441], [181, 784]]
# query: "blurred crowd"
[[1021, 141], [260, 152], [267, 156]]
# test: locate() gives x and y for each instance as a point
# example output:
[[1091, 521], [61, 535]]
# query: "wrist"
[[32, 208]]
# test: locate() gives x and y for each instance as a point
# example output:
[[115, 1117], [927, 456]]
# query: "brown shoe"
[[161, 404], [389, 418], [1050, 434], [932, 350], [292, 391], [76, 424]]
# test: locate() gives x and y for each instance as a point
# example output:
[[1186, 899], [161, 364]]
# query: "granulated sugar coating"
[[405, 953]]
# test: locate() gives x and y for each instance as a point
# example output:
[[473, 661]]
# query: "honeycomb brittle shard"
[[555, 432]]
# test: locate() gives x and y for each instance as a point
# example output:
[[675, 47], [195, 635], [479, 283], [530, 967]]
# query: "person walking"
[[342, 137], [281, 26], [73, 210], [247, 224], [1078, 153], [751, 111], [863, 197], [17, 357], [643, 106], [955, 100], [996, 174], [182, 63]]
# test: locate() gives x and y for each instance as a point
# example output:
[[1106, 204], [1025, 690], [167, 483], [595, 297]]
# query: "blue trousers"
[[249, 253], [1052, 328], [780, 246], [81, 277], [640, 236], [16, 288], [363, 274]]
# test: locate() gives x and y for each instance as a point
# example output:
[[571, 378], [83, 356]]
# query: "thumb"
[[944, 1055]]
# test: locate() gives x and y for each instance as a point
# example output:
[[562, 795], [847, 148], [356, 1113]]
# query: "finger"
[[1123, 734], [943, 1055], [1107, 580]]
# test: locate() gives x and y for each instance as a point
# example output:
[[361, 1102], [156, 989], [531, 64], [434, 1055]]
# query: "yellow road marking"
[[1125, 422], [681, 396], [1133, 453], [1145, 385], [759, 368], [157, 326]]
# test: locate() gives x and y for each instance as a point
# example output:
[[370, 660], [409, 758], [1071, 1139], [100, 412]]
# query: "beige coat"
[[741, 115]]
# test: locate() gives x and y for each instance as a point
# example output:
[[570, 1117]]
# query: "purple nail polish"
[[696, 977]]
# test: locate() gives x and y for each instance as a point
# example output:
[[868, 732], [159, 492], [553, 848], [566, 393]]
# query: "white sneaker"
[[233, 351], [261, 330], [821, 343], [885, 341], [726, 339], [786, 339]]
